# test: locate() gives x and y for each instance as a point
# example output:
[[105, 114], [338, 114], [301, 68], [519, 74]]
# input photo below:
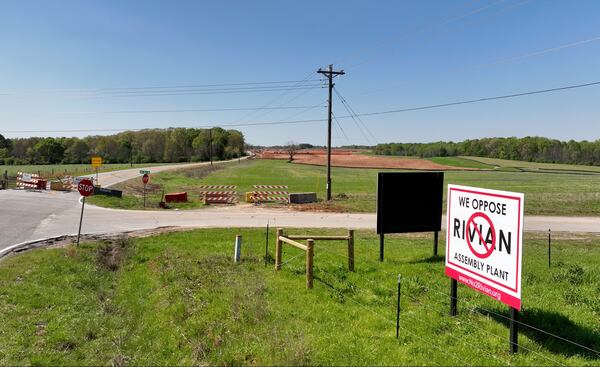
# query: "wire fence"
[[390, 290]]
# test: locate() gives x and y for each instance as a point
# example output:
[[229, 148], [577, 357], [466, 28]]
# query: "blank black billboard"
[[409, 201]]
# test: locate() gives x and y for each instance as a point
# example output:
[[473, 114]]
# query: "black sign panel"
[[409, 202], [108, 192]]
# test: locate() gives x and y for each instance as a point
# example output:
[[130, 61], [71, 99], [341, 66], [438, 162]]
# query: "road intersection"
[[31, 215]]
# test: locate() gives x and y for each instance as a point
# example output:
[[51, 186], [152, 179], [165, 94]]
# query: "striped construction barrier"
[[30, 181], [226, 193], [216, 199], [217, 187], [270, 196], [260, 198], [271, 193], [218, 194], [270, 186]]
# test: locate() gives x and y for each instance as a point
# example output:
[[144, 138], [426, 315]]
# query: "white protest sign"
[[484, 244]]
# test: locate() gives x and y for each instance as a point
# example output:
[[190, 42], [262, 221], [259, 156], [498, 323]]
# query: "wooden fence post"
[[278, 249], [309, 263], [351, 250]]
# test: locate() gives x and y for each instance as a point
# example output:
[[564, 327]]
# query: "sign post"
[[484, 246], [96, 162], [85, 188], [145, 179]]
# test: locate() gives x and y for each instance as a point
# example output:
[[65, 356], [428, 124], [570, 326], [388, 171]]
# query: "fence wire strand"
[[392, 322], [414, 320], [478, 309]]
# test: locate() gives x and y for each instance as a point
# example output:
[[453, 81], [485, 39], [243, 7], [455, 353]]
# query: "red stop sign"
[[85, 187], [145, 178]]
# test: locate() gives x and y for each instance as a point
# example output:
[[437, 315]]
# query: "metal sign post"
[[145, 179], [96, 162], [85, 188]]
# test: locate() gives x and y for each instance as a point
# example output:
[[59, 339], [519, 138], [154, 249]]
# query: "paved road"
[[28, 216], [25, 214]]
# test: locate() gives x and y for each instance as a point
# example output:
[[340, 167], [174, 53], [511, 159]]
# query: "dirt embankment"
[[354, 159]]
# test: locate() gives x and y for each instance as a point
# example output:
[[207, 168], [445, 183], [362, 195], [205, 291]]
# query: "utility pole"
[[330, 74]]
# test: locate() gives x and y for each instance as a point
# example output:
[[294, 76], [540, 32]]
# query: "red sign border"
[[91, 183], [451, 272]]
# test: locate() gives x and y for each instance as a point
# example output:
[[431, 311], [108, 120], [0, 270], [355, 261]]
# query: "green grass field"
[[355, 189], [177, 299], [461, 162], [505, 164]]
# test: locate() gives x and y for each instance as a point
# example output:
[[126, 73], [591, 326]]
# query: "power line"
[[158, 87], [191, 91], [504, 10], [542, 52], [304, 80], [353, 118], [481, 99], [341, 129], [264, 113], [186, 110], [395, 39], [190, 127], [502, 61], [353, 113], [515, 95]]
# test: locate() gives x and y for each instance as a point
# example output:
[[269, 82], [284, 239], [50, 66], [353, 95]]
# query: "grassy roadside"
[[186, 180], [177, 299], [355, 189]]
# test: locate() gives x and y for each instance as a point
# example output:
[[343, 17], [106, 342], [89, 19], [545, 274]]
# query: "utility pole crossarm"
[[330, 74]]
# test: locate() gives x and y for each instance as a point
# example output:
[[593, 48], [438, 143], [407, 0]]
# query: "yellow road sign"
[[96, 161]]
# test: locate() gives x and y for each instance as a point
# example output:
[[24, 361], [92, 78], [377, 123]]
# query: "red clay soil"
[[348, 158]]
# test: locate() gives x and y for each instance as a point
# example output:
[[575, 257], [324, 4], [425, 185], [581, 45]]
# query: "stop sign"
[[85, 187], [145, 178]]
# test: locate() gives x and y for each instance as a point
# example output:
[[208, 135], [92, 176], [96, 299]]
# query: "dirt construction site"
[[354, 158]]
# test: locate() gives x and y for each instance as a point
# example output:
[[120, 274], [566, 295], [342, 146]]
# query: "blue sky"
[[396, 54]]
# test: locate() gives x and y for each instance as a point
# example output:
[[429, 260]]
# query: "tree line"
[[532, 149], [145, 146]]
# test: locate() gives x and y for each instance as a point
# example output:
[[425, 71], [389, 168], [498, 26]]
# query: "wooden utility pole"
[[330, 74]]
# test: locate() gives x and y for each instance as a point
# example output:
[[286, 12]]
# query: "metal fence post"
[[351, 250], [514, 330], [238, 249], [278, 249], [309, 263], [398, 308], [453, 297]]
